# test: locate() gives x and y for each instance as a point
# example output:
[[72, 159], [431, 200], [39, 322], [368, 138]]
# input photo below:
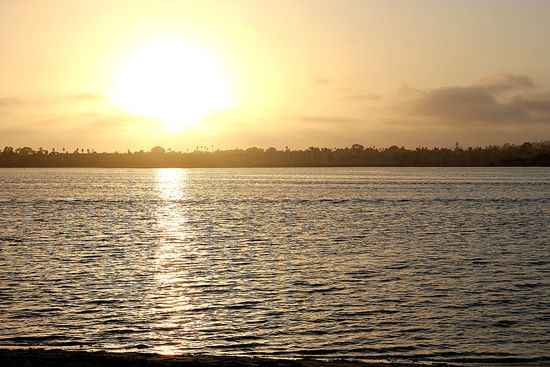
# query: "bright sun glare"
[[173, 82]]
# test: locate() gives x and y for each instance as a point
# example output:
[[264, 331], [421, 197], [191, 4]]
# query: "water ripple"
[[388, 263]]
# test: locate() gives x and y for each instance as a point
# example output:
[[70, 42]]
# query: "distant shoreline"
[[527, 154]]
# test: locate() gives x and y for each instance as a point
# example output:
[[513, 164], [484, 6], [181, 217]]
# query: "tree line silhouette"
[[526, 154]]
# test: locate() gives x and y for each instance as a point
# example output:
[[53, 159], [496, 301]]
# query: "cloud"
[[345, 91], [88, 97], [362, 97], [6, 102], [10, 102], [536, 103], [321, 81], [14, 131], [120, 121], [325, 119], [482, 103], [465, 104]]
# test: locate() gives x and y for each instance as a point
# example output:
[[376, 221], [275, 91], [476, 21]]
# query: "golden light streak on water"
[[170, 298]]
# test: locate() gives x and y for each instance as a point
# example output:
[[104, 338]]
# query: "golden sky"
[[116, 75]]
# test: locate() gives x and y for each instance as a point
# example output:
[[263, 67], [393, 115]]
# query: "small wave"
[[37, 340], [8, 239], [505, 323], [528, 285], [125, 331], [104, 301], [495, 360], [242, 305], [237, 346]]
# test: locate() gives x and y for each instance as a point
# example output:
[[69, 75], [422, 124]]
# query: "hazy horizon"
[[212, 148], [291, 73]]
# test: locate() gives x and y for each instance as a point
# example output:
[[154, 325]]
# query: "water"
[[421, 264]]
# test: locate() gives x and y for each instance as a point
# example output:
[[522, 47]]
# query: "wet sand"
[[63, 358]]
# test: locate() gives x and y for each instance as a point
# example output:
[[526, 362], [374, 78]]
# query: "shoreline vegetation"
[[75, 358], [357, 155]]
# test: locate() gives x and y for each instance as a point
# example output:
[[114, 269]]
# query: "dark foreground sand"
[[62, 358]]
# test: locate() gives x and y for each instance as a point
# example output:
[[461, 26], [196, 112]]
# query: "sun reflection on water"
[[171, 183], [172, 237]]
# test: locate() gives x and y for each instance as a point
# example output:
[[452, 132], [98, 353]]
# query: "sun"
[[171, 81]]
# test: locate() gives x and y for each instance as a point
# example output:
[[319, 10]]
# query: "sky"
[[117, 75]]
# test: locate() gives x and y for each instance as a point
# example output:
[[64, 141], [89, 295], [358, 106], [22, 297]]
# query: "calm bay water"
[[372, 263]]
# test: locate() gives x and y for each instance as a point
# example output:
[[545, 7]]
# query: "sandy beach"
[[64, 358]]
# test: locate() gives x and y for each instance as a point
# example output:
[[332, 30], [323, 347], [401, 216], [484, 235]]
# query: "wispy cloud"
[[362, 96], [324, 119], [321, 81], [119, 121], [13, 101], [14, 131], [345, 91], [88, 97]]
